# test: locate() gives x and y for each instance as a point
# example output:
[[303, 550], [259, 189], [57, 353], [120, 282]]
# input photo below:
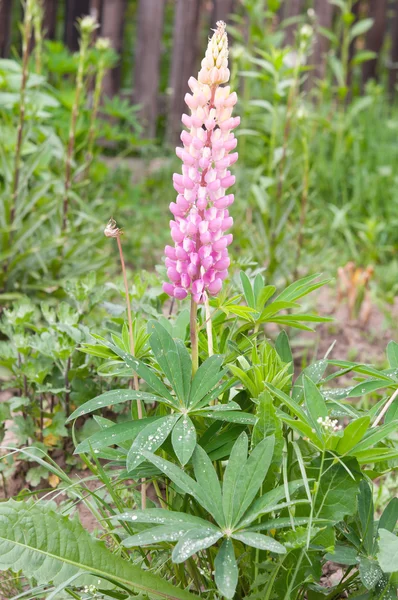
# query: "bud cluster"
[[329, 425]]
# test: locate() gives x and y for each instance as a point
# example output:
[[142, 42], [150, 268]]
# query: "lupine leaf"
[[389, 518], [315, 403], [375, 435], [205, 378], [392, 354], [236, 463], [226, 570], [388, 551], [163, 533], [268, 501], [161, 516], [365, 512], [49, 547], [258, 540], [150, 438], [121, 432], [111, 398], [207, 479], [252, 476], [183, 439], [193, 541], [174, 361], [353, 434]]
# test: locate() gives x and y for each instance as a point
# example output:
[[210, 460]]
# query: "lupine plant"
[[256, 473]]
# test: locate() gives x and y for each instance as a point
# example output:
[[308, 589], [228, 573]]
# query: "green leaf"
[[337, 493], [269, 424], [181, 479], [145, 372], [315, 372], [150, 438], [388, 551], [110, 399], [252, 476], [258, 540], [207, 479], [268, 502], [206, 377], [389, 518], [236, 463], [289, 402], [360, 27], [369, 572], [231, 416], [366, 387], [392, 354], [174, 360], [49, 547], [353, 434], [301, 288], [193, 541], [161, 516], [163, 533], [247, 290], [365, 512], [121, 432], [226, 570], [375, 435], [183, 439], [282, 346], [315, 403]]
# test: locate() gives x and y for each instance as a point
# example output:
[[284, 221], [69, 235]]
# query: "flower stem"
[[208, 326], [94, 113], [193, 325]]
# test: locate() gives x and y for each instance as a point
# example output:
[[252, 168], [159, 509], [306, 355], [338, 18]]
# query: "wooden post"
[[375, 37], [221, 11], [112, 27], [293, 8], [5, 27], [74, 10], [50, 18], [147, 61], [393, 75], [324, 14], [184, 61]]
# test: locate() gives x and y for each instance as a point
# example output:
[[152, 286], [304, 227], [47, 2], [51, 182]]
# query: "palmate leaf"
[[236, 464], [161, 516], [173, 358], [49, 547], [269, 502], [260, 541], [155, 535], [193, 541], [183, 438], [121, 432], [207, 479]]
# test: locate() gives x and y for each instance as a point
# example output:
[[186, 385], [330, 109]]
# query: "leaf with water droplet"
[[183, 439], [226, 570]]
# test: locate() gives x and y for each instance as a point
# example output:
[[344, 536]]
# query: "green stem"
[[94, 113], [193, 325]]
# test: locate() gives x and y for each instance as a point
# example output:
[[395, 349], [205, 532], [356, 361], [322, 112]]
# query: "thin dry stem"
[[132, 348], [385, 408]]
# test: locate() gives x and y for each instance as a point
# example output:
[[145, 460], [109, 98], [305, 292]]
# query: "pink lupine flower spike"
[[198, 263]]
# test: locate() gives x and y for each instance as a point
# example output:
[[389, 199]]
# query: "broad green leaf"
[[392, 354], [193, 541], [236, 463], [252, 476], [375, 455], [174, 360], [258, 540], [315, 403], [337, 493], [389, 518], [267, 503], [49, 547], [161, 516], [353, 434], [207, 479], [245, 379], [119, 433], [315, 372], [369, 572], [375, 435], [183, 439], [162, 533], [150, 438], [181, 479], [365, 512], [360, 27], [301, 288], [111, 398], [226, 571], [388, 551], [206, 377], [289, 402], [263, 296]]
